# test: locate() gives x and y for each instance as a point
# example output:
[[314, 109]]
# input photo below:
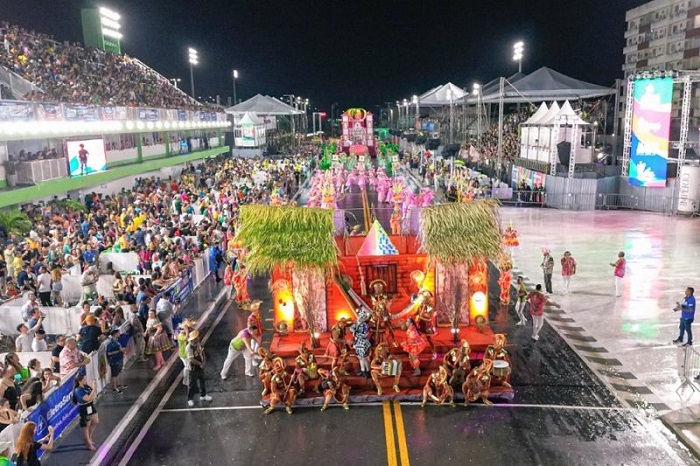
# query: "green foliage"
[[69, 204], [459, 232], [15, 222], [287, 236]]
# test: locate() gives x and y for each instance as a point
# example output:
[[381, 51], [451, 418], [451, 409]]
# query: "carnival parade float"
[[361, 317]]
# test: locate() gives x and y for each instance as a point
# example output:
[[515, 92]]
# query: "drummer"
[[497, 352]]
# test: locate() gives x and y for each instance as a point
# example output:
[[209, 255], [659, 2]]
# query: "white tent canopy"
[[567, 115], [263, 105], [537, 116], [250, 118], [550, 117], [441, 96]]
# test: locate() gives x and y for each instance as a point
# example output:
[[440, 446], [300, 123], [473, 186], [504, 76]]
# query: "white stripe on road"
[[410, 403]]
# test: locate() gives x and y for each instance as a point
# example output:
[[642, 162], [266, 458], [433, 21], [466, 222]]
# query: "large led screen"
[[86, 156], [651, 126]]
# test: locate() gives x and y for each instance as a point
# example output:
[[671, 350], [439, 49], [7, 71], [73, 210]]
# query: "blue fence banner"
[[148, 114], [81, 112], [57, 410]]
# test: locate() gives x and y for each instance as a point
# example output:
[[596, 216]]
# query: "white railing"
[[16, 83]]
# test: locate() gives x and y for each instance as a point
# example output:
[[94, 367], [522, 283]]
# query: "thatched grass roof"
[[459, 232], [287, 236]]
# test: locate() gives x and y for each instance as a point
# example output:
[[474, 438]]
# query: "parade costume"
[[497, 352], [384, 365], [438, 389], [478, 383], [396, 221], [337, 342], [413, 345], [281, 387], [334, 387], [425, 318], [361, 342], [240, 283], [380, 319], [457, 364], [265, 369], [305, 368]]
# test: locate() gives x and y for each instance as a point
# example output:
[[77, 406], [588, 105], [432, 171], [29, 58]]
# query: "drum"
[[500, 368], [391, 367]]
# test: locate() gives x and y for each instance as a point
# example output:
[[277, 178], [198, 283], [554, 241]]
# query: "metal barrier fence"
[[19, 87], [689, 369]]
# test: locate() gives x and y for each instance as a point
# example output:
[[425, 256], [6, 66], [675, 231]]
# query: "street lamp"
[[405, 112], [476, 91], [415, 100], [194, 60], [235, 76], [175, 81], [518, 50]]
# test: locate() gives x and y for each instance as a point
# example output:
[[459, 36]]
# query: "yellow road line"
[[401, 434], [389, 433]]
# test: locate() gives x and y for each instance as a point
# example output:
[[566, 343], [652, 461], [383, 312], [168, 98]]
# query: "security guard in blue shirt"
[[687, 308]]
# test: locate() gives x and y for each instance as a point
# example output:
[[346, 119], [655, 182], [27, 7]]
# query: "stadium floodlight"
[[476, 88], [109, 14], [194, 60], [112, 33], [518, 51]]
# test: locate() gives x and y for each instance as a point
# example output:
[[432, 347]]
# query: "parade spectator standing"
[[44, 286], [56, 352], [196, 360], [23, 343], [619, 272], [29, 307], [548, 269], [89, 281], [39, 343], [568, 270], [537, 302], [71, 357], [687, 308], [164, 311], [115, 358], [89, 335]]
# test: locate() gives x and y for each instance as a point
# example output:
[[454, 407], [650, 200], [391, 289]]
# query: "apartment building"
[[664, 35]]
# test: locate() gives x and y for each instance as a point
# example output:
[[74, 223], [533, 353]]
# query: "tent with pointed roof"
[[544, 84], [263, 105], [441, 96], [537, 116]]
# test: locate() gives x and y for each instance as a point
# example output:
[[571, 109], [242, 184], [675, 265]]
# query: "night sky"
[[357, 53]]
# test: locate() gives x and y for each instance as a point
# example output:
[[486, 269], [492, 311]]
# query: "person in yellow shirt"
[[17, 264]]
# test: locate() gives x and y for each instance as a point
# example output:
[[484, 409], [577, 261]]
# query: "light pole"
[[405, 112], [291, 119], [398, 115], [452, 114], [415, 100], [175, 81], [235, 76], [194, 60], [476, 91], [518, 50]]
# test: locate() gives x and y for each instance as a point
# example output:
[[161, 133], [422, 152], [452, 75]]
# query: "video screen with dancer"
[[86, 157]]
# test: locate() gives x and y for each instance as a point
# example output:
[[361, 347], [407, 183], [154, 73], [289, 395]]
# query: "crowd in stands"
[[70, 73], [167, 222], [488, 143], [28, 156]]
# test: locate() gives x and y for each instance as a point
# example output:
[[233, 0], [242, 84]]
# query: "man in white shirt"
[[44, 281], [89, 281], [29, 306], [39, 342], [26, 336]]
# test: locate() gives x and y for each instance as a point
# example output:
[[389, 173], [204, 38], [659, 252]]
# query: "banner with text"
[[57, 410], [651, 128]]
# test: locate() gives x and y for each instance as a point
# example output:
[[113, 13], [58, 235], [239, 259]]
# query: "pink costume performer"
[[362, 180], [428, 197], [373, 178], [328, 199], [383, 188], [408, 204], [351, 179], [339, 180]]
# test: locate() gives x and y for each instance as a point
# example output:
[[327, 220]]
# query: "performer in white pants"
[[537, 302], [241, 343]]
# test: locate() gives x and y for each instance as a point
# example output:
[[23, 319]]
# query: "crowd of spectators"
[[488, 142], [168, 222], [70, 73]]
